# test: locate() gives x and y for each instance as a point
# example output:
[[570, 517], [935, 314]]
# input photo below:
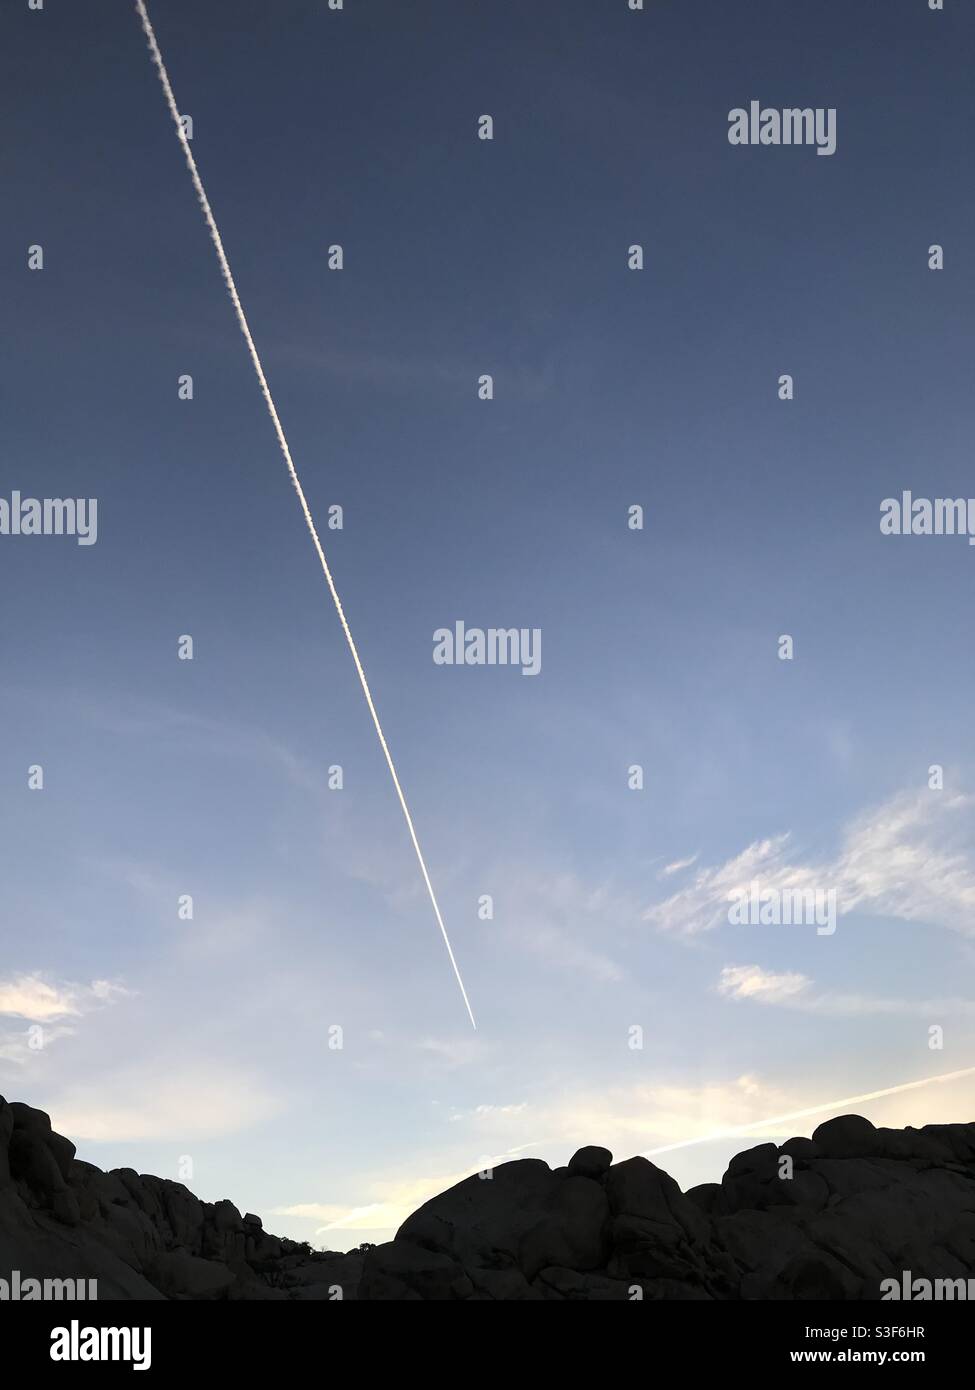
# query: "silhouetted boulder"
[[848, 1136], [590, 1162]]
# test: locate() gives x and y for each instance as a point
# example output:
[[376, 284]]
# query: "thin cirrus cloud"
[[909, 858], [37, 1000], [675, 868], [481, 1112], [50, 1008], [752, 982], [794, 991]]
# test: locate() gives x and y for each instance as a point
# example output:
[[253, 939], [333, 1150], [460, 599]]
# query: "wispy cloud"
[[752, 982], [795, 991], [483, 1112], [912, 858], [43, 1001], [51, 1009], [311, 1211], [677, 866]]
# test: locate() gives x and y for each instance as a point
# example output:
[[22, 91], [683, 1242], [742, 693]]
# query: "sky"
[[207, 1049]]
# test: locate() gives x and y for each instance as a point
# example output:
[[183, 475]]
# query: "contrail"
[[777, 1120], [283, 442]]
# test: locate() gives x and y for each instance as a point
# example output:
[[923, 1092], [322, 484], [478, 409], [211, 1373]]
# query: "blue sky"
[[210, 1038]]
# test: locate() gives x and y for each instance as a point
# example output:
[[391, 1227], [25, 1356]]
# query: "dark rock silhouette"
[[853, 1206]]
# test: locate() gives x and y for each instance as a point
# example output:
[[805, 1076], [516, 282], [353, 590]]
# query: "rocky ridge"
[[826, 1217]]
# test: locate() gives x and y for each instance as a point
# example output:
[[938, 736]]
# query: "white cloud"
[[375, 1216], [487, 1112], [751, 982], [312, 1211], [793, 991], [46, 1009], [911, 858], [34, 998], [676, 866]]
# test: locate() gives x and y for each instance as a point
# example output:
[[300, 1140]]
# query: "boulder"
[[638, 1187], [590, 1162], [847, 1136], [481, 1222]]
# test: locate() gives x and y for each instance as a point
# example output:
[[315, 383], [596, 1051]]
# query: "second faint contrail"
[[777, 1120], [283, 442]]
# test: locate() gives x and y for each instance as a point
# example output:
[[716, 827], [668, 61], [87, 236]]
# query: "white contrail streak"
[[777, 1120], [283, 442]]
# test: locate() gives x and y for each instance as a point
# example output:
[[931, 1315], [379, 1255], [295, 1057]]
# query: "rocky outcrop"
[[140, 1236], [826, 1217]]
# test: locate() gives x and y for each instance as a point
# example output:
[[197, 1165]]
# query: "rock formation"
[[826, 1217]]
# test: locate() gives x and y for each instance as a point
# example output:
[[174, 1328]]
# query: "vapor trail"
[[283, 442], [812, 1110]]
